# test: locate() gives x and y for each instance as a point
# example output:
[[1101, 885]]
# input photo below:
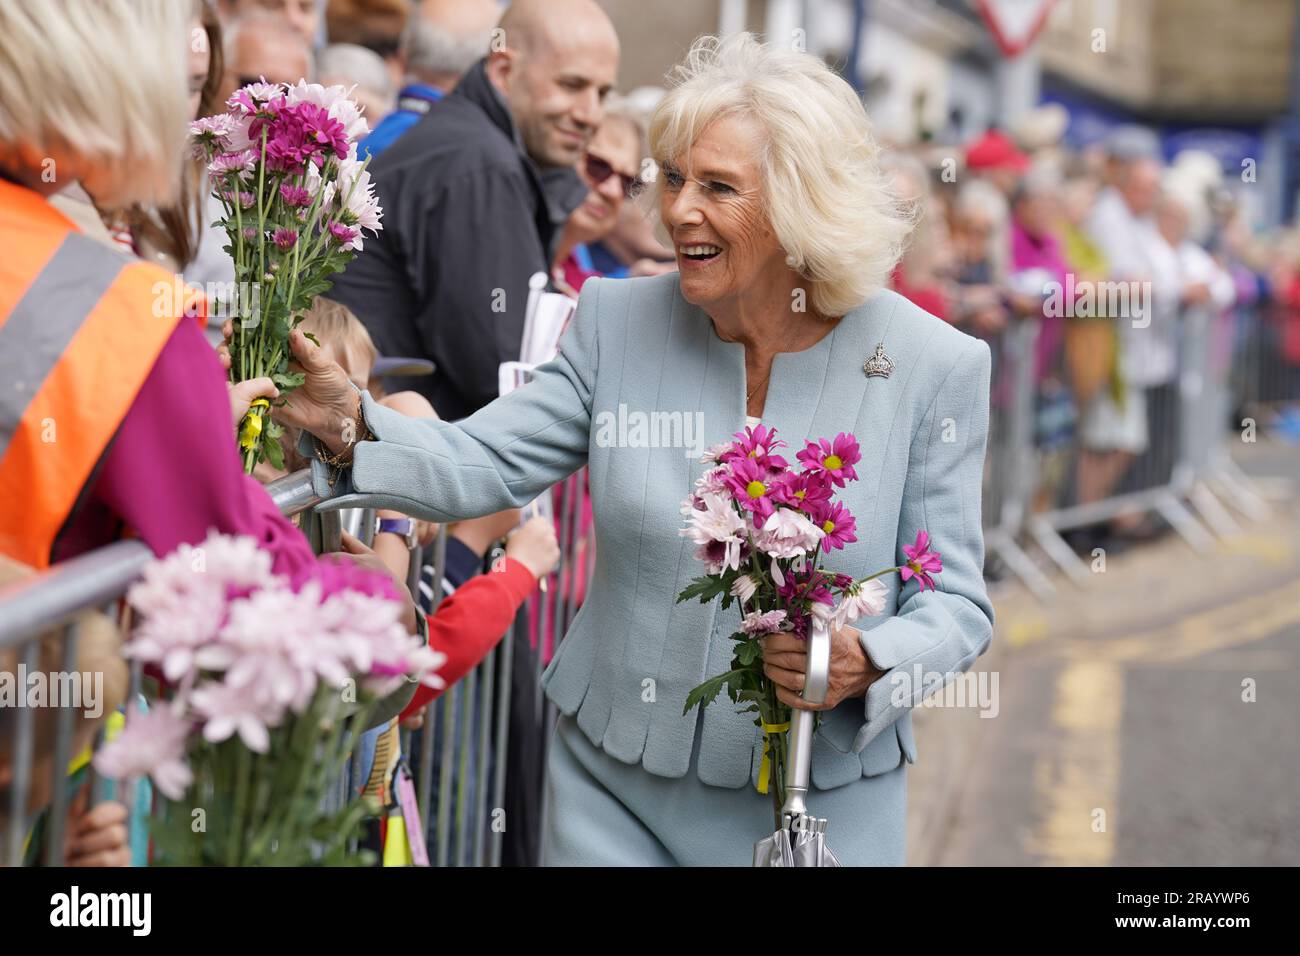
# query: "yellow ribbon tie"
[[765, 768], [252, 424], [397, 850]]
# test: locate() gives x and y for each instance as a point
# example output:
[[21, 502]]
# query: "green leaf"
[[289, 380], [706, 588], [707, 692]]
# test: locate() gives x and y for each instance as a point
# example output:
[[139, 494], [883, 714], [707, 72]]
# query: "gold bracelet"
[[344, 458]]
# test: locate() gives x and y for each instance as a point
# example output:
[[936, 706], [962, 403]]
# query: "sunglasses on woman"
[[599, 170]]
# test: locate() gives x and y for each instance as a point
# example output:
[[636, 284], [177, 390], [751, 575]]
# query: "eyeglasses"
[[599, 170]]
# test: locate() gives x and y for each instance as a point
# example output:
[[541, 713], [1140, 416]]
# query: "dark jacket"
[[468, 218]]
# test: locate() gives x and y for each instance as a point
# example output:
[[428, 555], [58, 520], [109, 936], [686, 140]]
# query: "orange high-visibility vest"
[[80, 329]]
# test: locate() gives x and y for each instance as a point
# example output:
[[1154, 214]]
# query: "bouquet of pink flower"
[[283, 163], [273, 681], [763, 528]]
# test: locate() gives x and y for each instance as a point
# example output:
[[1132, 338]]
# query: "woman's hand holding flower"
[[326, 404], [785, 662]]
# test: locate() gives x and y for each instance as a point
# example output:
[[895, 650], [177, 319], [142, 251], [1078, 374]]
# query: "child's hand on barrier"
[[98, 838], [535, 547], [359, 554]]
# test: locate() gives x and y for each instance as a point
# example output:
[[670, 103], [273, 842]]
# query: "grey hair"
[[265, 21], [356, 64], [431, 50], [830, 204], [981, 198]]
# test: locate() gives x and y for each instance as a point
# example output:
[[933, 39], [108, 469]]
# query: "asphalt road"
[[1148, 718]]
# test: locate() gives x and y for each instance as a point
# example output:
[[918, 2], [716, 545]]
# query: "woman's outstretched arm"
[[502, 456]]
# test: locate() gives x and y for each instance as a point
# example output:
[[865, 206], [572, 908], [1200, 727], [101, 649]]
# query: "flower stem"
[[243, 774]]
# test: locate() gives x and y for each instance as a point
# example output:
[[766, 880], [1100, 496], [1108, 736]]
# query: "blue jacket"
[[413, 101], [635, 346]]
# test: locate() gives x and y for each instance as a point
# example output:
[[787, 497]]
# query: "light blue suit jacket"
[[633, 653]]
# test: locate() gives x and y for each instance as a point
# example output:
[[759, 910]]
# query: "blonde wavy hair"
[[99, 89], [829, 203]]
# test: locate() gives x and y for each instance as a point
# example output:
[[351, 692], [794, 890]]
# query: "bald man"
[[556, 62], [262, 44], [442, 39], [303, 15], [474, 197]]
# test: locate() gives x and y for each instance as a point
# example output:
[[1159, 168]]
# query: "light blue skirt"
[[604, 812]]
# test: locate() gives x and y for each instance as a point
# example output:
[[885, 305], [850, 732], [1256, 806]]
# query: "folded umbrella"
[[801, 841]]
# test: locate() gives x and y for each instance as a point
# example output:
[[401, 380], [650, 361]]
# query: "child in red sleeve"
[[471, 620]]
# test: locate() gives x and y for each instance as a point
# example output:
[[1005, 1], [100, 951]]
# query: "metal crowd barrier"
[[1185, 474], [466, 732], [469, 724]]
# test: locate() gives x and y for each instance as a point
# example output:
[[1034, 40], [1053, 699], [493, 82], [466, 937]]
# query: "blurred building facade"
[[1203, 74]]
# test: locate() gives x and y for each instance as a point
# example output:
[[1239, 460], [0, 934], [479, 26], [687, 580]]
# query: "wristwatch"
[[402, 526]]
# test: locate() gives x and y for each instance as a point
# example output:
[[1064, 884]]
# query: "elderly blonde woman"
[[785, 233]]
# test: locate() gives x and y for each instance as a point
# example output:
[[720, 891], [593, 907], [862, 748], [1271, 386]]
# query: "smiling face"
[[555, 86], [712, 208], [617, 144]]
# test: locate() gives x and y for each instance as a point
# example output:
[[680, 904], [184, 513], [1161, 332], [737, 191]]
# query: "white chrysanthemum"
[[756, 622], [744, 587], [788, 534], [862, 599], [356, 194]]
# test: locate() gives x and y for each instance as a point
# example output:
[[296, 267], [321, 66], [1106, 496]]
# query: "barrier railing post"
[[20, 788], [1014, 458], [483, 715], [54, 824], [424, 786], [506, 668]]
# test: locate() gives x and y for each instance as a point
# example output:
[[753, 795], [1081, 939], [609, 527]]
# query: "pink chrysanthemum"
[[150, 744], [808, 491], [834, 458], [757, 444], [345, 236], [301, 134], [921, 562], [225, 163], [750, 484], [838, 525], [294, 195], [808, 587]]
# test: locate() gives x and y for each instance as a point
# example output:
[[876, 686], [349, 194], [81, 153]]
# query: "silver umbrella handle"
[[799, 765]]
